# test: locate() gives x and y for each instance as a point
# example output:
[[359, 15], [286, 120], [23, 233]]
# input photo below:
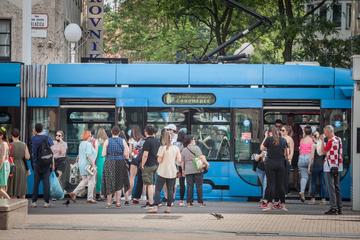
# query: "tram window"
[[358, 140], [247, 142], [212, 131], [93, 116], [301, 118], [215, 117], [4, 118], [130, 117], [165, 117], [47, 117], [247, 136], [340, 120]]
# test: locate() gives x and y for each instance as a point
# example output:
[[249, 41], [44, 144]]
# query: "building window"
[[337, 15], [5, 40], [348, 16], [323, 13]]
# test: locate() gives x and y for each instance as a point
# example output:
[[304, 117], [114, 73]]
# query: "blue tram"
[[225, 106]]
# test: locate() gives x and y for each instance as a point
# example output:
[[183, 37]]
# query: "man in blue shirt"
[[40, 172]]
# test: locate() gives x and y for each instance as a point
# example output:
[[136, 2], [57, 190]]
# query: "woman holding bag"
[[87, 156], [193, 174]]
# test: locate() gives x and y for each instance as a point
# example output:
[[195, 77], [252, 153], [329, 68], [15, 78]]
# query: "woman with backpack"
[[191, 154]]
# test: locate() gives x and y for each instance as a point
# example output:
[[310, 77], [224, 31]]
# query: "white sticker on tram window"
[[246, 123]]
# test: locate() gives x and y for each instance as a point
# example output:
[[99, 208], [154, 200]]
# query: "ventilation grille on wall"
[[87, 102], [291, 104]]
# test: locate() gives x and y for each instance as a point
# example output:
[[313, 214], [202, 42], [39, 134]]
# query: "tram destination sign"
[[189, 98]]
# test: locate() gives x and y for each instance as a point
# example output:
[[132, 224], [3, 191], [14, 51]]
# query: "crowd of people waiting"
[[109, 166], [318, 155]]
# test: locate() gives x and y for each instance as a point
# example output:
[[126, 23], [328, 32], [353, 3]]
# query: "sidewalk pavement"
[[273, 225]]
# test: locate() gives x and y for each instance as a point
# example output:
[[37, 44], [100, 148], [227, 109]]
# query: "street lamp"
[[72, 34]]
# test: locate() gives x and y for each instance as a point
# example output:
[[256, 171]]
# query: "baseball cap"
[[171, 126]]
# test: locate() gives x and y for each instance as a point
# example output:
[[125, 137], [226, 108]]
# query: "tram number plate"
[[189, 98]]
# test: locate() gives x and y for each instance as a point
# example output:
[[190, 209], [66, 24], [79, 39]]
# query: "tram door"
[[297, 117]]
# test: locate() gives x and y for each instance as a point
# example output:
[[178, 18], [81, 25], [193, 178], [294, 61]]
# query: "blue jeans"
[[262, 177], [317, 174], [303, 165]]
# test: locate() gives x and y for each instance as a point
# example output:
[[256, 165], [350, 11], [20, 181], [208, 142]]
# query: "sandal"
[[108, 205]]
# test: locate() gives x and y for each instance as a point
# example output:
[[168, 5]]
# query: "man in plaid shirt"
[[333, 165]]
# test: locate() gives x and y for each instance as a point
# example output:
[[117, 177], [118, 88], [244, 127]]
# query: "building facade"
[[339, 12], [49, 19]]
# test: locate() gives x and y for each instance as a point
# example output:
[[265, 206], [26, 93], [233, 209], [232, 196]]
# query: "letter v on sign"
[[95, 21]]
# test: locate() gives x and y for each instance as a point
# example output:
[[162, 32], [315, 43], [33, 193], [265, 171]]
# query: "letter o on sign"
[[95, 10]]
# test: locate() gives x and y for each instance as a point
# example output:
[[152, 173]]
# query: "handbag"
[[197, 163]]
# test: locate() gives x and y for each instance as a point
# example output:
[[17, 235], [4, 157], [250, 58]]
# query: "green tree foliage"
[[163, 30]]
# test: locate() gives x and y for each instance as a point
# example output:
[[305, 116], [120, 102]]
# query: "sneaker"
[[276, 205], [46, 205], [332, 212], [323, 201], [181, 204], [202, 205], [33, 205], [282, 207], [160, 205], [189, 205], [54, 199], [135, 201], [312, 201], [268, 207], [339, 211], [302, 196]]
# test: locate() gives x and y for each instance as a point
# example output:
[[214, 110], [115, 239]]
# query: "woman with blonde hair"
[[101, 137], [87, 157], [168, 157]]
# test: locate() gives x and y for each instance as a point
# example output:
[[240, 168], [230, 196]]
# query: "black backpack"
[[44, 154]]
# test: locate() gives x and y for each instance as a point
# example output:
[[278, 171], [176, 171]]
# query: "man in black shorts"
[[149, 163]]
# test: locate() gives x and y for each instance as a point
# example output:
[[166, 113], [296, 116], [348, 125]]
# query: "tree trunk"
[[288, 49]]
